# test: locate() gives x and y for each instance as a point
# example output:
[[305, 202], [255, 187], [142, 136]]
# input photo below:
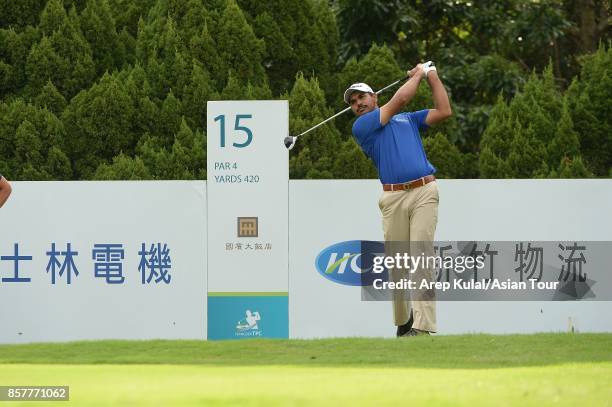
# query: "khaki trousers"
[[411, 216]]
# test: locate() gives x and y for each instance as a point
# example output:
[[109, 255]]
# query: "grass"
[[543, 369], [465, 351]]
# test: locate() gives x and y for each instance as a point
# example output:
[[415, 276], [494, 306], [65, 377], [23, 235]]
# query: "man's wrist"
[[432, 75], [419, 74]]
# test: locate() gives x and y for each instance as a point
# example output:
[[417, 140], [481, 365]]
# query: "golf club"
[[290, 140]]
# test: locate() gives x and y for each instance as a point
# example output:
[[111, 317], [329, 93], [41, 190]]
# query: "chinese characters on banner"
[[528, 261], [106, 263]]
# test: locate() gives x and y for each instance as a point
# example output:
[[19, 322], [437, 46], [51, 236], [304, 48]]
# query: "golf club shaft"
[[324, 121], [348, 108], [393, 84]]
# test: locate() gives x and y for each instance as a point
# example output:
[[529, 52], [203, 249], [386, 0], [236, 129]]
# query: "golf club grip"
[[398, 81]]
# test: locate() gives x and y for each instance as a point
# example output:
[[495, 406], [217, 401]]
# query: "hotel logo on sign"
[[248, 227]]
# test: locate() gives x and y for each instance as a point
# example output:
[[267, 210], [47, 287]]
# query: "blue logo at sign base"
[[240, 317]]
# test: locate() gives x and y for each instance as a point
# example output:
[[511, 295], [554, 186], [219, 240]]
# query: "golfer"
[[409, 202], [5, 190]]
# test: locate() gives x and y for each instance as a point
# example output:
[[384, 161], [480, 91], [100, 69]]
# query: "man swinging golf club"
[[409, 202]]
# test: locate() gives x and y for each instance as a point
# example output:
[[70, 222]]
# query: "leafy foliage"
[[117, 89]]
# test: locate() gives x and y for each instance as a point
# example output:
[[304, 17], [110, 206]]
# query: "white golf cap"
[[356, 87]]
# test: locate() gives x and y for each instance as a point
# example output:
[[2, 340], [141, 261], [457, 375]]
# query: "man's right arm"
[[403, 95], [5, 190]]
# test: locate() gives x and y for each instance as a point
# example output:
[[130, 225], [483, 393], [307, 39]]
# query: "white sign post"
[[248, 181]]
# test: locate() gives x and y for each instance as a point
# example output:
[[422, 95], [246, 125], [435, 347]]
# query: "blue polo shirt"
[[395, 148]]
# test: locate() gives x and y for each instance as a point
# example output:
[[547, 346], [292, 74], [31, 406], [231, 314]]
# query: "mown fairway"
[[542, 369]]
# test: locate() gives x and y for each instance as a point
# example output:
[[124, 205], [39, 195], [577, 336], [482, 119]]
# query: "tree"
[[204, 50], [185, 159], [366, 22], [492, 165], [44, 65], [571, 169], [532, 37], [99, 29], [565, 143], [328, 38], [527, 156], [238, 47], [351, 163], [63, 57], [123, 76], [377, 68], [14, 50], [53, 17], [74, 48], [279, 56], [498, 134], [261, 92], [307, 107], [20, 14], [443, 155], [189, 16], [92, 140], [28, 148], [189, 153], [589, 104], [33, 143], [123, 168], [591, 19], [196, 94], [481, 80], [161, 49], [234, 90], [170, 117], [528, 137], [307, 27], [126, 48], [137, 86], [312, 48], [50, 98], [127, 13]]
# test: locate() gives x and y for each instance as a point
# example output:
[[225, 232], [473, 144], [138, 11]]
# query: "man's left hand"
[[416, 70]]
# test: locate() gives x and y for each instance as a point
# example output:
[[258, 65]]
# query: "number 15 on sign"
[[241, 132]]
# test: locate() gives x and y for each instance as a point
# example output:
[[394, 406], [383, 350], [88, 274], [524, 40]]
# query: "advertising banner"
[[96, 260]]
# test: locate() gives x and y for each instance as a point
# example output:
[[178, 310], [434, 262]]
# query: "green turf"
[[465, 351], [543, 369]]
